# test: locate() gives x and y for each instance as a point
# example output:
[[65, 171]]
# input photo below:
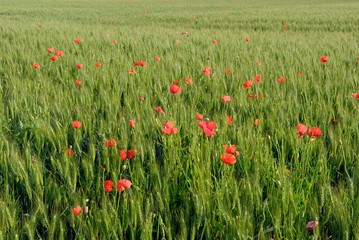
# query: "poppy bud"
[[312, 225], [86, 210], [132, 123]]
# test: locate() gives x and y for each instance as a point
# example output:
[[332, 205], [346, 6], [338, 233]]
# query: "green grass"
[[180, 187]]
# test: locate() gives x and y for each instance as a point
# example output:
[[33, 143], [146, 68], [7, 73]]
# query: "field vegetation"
[[179, 119]]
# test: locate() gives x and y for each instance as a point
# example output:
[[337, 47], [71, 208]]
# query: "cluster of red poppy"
[[124, 153], [169, 128], [57, 54], [108, 185], [111, 143], [69, 152], [139, 63], [251, 95], [122, 184], [229, 157], [127, 154], [313, 132]]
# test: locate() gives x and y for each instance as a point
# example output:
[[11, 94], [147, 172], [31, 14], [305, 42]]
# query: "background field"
[[180, 187]]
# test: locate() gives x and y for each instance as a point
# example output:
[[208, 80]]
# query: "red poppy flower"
[[78, 83], [256, 122], [77, 210], [131, 153], [79, 66], [229, 120], [132, 72], [188, 80], [36, 65], [59, 53], [50, 50], [281, 79], [230, 149], [123, 184], [108, 185], [132, 123], [127, 154], [314, 132], [158, 59], [208, 128], [111, 143], [175, 89], [98, 64], [77, 40], [335, 121], [302, 130], [257, 78], [227, 70], [228, 158], [311, 225], [139, 63], [324, 59], [300, 74], [114, 41], [199, 117], [70, 152], [214, 41], [285, 27], [356, 95], [357, 58], [260, 96], [76, 124], [251, 95], [247, 84], [123, 154], [226, 99], [247, 39], [207, 70], [54, 58], [160, 110], [169, 128]]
